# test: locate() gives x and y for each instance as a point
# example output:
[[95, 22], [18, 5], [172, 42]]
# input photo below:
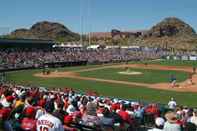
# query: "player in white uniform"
[[48, 122], [172, 104]]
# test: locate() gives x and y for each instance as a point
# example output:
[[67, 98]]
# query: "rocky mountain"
[[171, 26], [45, 30], [169, 33]]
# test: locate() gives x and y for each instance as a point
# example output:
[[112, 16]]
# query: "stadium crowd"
[[31, 109], [20, 58]]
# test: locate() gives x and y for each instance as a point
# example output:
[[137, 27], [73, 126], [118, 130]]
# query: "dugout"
[[26, 43], [65, 64]]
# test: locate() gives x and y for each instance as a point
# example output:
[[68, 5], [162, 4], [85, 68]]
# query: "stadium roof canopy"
[[26, 43]]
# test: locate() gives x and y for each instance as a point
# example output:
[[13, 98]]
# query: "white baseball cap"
[[159, 121], [70, 109]]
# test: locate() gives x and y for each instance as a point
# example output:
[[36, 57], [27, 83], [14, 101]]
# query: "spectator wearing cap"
[[127, 121], [7, 101], [115, 105], [6, 105], [171, 123], [188, 114], [90, 117], [107, 119], [68, 119], [159, 124], [70, 109], [28, 123], [194, 117], [42, 101], [124, 114], [5, 112]]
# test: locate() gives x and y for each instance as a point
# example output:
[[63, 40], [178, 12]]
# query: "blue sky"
[[103, 15]]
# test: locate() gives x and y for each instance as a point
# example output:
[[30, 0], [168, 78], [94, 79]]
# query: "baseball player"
[[190, 79], [173, 81], [194, 70], [48, 122]]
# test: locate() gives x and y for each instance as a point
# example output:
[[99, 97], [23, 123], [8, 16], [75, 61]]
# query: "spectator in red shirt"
[[125, 115], [115, 105], [5, 112], [29, 123], [68, 119]]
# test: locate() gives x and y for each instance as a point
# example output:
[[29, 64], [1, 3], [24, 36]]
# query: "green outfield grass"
[[148, 76], [106, 89]]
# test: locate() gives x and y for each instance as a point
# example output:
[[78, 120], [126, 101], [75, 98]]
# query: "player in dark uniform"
[[194, 70], [43, 69], [126, 67], [173, 81], [190, 79]]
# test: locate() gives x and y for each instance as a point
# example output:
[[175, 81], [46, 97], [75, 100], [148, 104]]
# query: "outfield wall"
[[184, 57]]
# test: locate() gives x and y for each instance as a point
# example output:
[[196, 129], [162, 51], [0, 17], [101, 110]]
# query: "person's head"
[[84, 100], [106, 112], [30, 112], [159, 122], [91, 109], [171, 117], [195, 112], [68, 119], [70, 109], [49, 107], [22, 98], [190, 113], [190, 127], [123, 107], [30, 100], [172, 99]]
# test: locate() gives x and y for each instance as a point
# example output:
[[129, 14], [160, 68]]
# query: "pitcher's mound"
[[130, 73]]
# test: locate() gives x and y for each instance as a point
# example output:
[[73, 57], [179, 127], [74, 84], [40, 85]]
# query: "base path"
[[183, 86]]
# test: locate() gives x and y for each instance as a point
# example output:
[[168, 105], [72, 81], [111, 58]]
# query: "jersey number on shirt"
[[44, 128]]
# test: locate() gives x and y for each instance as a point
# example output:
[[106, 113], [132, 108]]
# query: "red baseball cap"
[[9, 98], [29, 111], [68, 119]]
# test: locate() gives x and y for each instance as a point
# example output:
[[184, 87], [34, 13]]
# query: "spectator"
[[159, 124], [28, 123], [190, 127], [194, 117], [90, 117], [19, 112], [48, 121], [171, 124], [107, 119]]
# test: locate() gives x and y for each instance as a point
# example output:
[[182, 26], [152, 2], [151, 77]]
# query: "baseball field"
[[135, 81]]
